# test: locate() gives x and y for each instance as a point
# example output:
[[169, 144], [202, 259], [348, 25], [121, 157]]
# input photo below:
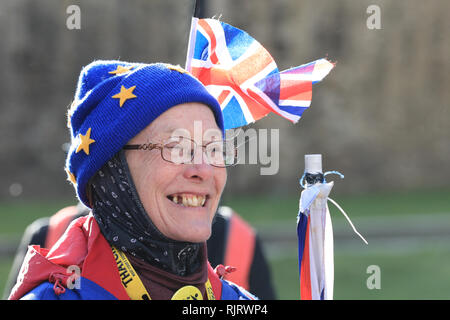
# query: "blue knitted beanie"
[[116, 100]]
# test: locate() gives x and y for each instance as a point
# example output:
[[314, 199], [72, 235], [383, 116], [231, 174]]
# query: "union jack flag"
[[244, 77]]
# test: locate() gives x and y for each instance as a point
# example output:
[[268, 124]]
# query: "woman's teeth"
[[189, 200]]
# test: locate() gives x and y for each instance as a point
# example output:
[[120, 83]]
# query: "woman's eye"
[[213, 148], [173, 144]]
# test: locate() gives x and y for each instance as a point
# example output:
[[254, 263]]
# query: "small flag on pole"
[[315, 234], [244, 77]]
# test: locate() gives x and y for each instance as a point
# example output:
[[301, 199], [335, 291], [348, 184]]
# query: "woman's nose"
[[199, 168]]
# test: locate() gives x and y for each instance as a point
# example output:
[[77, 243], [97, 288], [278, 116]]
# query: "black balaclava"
[[125, 224]]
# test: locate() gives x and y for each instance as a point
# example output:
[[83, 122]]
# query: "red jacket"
[[83, 245]]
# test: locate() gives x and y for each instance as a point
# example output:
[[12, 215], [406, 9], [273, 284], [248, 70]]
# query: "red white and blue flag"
[[315, 240], [244, 77], [315, 244]]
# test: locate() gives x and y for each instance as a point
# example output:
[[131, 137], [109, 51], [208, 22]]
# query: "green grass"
[[419, 272], [422, 273], [16, 216], [5, 265], [267, 209], [386, 204]]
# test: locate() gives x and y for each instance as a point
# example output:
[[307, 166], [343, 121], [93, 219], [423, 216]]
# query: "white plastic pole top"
[[313, 163]]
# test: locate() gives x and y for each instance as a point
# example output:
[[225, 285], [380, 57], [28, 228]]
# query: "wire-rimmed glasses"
[[181, 150]]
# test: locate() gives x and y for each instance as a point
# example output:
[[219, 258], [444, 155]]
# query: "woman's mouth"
[[188, 200]]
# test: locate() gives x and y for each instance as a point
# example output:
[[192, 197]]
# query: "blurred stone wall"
[[382, 117]]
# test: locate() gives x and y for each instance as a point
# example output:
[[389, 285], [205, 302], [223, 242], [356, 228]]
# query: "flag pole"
[[199, 9], [313, 168], [199, 12]]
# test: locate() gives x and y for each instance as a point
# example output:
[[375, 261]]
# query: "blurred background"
[[382, 118]]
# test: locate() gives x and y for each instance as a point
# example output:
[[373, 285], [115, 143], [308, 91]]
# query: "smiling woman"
[[151, 215]]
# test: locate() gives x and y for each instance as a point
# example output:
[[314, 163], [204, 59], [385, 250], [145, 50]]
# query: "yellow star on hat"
[[177, 68], [69, 120], [124, 95], [71, 176], [121, 69], [85, 142]]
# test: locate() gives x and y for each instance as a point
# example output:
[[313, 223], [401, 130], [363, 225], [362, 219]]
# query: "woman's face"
[[181, 199]]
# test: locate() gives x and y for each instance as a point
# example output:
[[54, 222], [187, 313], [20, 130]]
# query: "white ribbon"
[[348, 219]]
